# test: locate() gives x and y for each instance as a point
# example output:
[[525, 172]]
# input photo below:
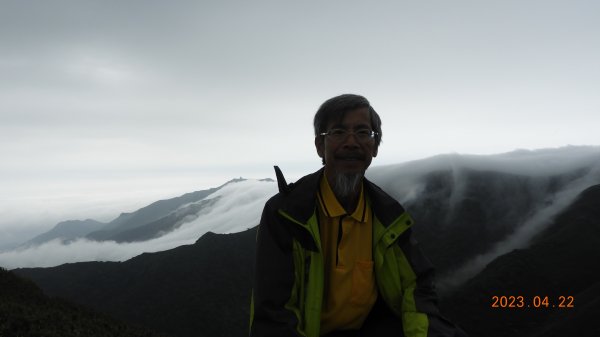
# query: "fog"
[[539, 221], [403, 181], [237, 207], [108, 105]]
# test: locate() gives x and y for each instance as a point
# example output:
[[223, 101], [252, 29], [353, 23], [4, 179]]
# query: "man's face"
[[349, 155]]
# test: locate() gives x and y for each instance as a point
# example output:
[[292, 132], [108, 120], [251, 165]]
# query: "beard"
[[347, 185]]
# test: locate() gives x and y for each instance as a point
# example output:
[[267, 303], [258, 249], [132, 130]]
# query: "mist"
[[96, 102], [403, 181], [238, 206]]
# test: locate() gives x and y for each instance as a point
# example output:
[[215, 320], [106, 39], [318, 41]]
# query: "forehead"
[[359, 117]]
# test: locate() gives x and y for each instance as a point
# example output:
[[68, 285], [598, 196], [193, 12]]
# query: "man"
[[335, 255]]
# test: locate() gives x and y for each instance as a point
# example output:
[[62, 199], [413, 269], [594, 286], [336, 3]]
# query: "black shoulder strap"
[[281, 183]]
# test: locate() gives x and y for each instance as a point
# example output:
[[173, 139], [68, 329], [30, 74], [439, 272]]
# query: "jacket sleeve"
[[420, 313], [273, 279]]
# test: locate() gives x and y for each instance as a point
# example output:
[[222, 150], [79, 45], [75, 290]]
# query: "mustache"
[[350, 155]]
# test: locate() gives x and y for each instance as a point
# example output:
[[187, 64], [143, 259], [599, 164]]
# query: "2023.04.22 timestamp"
[[543, 302]]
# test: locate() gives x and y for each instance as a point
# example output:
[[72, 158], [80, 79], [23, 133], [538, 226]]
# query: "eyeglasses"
[[363, 135]]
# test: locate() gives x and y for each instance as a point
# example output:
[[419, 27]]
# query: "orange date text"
[[536, 302]]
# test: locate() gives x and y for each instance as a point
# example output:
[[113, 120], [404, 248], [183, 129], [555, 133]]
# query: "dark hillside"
[[204, 289], [561, 261], [197, 290], [487, 205], [26, 312]]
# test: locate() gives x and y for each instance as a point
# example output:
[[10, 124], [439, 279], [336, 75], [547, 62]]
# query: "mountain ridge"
[[209, 282], [127, 227], [66, 231]]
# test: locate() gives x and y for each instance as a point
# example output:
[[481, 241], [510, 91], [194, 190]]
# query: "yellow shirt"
[[350, 290]]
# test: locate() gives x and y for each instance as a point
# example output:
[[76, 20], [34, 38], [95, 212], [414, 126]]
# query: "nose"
[[351, 140]]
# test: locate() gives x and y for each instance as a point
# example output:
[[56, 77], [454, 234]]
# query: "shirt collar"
[[331, 206]]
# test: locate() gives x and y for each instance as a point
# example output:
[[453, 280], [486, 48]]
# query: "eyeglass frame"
[[345, 133]]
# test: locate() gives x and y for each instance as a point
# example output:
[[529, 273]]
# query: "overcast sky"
[[108, 105]]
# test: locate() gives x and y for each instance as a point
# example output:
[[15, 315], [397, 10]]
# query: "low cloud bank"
[[404, 182], [238, 206], [539, 221]]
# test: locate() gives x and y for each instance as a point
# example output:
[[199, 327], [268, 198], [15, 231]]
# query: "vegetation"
[[554, 283], [26, 312], [204, 289], [189, 291]]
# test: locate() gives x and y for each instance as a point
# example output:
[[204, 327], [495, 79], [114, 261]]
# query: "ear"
[[320, 146], [374, 152]]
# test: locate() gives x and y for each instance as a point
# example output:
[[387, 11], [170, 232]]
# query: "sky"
[[106, 106]]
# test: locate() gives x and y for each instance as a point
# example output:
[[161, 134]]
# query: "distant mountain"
[[26, 312], [129, 223], [149, 222], [492, 225], [207, 285], [232, 207], [166, 224], [67, 231], [468, 210], [502, 199], [486, 205]]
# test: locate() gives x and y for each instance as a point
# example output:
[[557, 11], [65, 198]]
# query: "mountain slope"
[[26, 312], [489, 205], [146, 223], [234, 207], [196, 290], [67, 230], [501, 199], [166, 224], [561, 261], [468, 210], [207, 284], [513, 217], [155, 211]]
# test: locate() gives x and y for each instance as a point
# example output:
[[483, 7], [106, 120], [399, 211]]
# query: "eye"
[[337, 132], [363, 133]]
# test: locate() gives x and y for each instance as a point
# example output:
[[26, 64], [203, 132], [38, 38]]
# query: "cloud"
[[91, 95], [537, 222], [238, 206], [405, 182], [87, 82]]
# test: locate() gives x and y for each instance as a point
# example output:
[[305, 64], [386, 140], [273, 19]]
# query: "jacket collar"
[[300, 199], [386, 208]]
